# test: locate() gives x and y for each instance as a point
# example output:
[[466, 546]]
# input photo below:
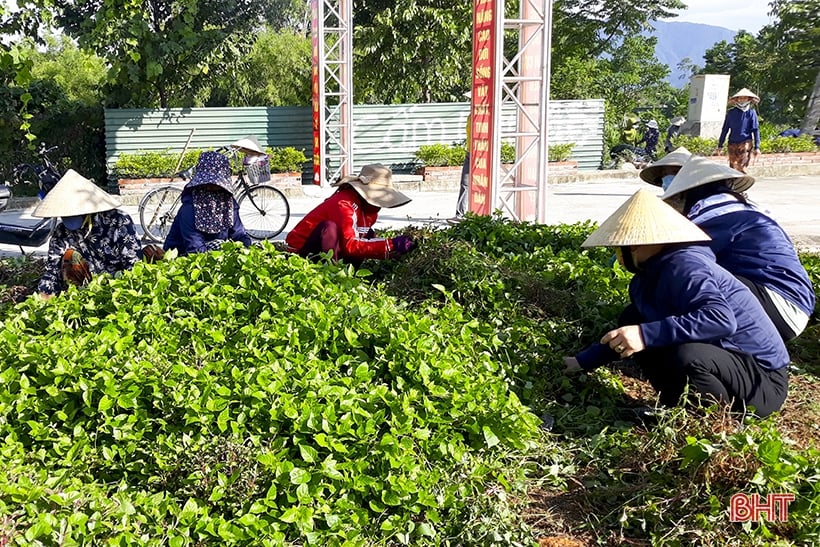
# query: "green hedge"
[[162, 164], [707, 146], [440, 155]]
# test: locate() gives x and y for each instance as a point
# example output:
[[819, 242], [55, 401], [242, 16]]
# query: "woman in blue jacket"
[[746, 240], [209, 214], [690, 322], [741, 125]]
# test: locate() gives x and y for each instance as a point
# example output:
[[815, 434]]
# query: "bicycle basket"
[[257, 168]]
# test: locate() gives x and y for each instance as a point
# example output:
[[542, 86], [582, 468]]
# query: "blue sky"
[[749, 15]]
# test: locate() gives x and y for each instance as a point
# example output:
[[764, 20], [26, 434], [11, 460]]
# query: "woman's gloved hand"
[[402, 244]]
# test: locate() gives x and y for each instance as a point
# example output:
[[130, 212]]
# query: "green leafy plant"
[[435, 155], [162, 164], [250, 397], [152, 163], [560, 152], [442, 155], [286, 159], [700, 146], [803, 143]]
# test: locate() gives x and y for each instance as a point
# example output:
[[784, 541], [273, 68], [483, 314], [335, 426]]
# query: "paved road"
[[793, 201]]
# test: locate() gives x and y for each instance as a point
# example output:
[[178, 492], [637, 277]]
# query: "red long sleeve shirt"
[[353, 216]]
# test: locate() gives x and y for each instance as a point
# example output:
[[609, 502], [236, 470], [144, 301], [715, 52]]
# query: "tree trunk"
[[812, 116]]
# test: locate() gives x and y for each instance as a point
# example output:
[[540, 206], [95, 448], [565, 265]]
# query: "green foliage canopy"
[[161, 52]]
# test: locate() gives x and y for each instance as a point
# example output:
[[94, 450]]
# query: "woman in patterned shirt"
[[92, 238]]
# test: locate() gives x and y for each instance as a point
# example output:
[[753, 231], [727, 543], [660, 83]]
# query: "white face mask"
[[743, 105], [666, 180]]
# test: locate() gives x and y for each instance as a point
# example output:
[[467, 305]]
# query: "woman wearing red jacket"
[[343, 223]]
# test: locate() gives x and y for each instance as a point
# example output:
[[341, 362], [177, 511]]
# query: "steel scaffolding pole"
[[333, 100], [523, 81]]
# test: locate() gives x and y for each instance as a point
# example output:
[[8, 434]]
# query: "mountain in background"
[[678, 41]]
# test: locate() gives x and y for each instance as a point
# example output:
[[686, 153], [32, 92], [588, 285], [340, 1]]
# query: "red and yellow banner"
[[481, 129], [317, 119]]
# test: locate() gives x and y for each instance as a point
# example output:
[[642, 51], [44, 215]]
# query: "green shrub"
[[439, 155], [245, 397], [457, 154], [803, 143], [697, 145], [152, 164], [507, 152], [434, 155], [286, 160], [163, 164], [560, 152]]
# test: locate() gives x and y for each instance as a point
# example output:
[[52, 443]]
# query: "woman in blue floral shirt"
[[93, 237]]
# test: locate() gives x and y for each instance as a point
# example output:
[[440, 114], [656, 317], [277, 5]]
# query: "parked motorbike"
[[626, 153], [45, 175]]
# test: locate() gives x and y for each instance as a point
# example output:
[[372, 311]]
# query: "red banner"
[[481, 128], [317, 152]]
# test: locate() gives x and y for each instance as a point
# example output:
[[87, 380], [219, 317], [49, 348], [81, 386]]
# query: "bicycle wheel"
[[158, 208], [264, 211]]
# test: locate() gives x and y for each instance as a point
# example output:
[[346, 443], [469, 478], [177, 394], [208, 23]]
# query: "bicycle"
[[45, 175], [263, 209]]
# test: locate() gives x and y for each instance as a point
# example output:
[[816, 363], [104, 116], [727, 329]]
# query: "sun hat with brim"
[[698, 171], [249, 145], [75, 195], [212, 168], [375, 184], [677, 120], [675, 158], [653, 124], [745, 92], [645, 220]]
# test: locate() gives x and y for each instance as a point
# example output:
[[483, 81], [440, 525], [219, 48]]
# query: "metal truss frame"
[[523, 81], [335, 93]]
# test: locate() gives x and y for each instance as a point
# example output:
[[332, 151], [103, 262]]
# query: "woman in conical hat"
[[742, 127], [343, 223], [661, 172], [93, 236], [746, 240], [690, 322]]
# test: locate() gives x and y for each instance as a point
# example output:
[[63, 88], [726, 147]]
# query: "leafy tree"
[[420, 50], [160, 52], [589, 28], [411, 50], [632, 77], [795, 40], [276, 72], [64, 107], [77, 73], [780, 63], [292, 15]]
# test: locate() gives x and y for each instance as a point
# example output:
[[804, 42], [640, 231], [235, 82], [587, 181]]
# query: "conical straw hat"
[[75, 195], [644, 220], [676, 158], [249, 145], [744, 93], [699, 171]]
